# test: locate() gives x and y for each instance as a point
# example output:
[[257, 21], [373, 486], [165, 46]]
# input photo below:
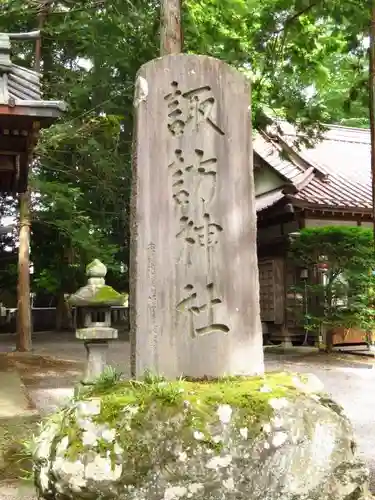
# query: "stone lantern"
[[93, 304]]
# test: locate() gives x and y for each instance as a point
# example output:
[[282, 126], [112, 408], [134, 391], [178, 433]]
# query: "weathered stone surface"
[[96, 360], [97, 333], [194, 275], [246, 439]]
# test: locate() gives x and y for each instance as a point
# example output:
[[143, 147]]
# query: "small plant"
[[16, 447], [23, 457], [105, 382], [151, 378], [109, 378]]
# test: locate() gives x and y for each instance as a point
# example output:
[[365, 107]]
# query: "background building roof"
[[339, 165], [20, 86]]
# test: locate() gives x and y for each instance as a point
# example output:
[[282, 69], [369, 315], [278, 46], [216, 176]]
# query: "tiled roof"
[[340, 161], [268, 199], [20, 86], [270, 152], [22, 112]]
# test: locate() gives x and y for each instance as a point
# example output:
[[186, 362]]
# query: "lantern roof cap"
[[96, 293]]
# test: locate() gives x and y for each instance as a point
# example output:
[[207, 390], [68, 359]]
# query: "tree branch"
[[297, 15]]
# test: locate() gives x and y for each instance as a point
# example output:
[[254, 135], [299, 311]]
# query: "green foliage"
[[15, 447], [105, 382], [73, 206], [344, 247], [306, 60], [286, 47], [344, 295]]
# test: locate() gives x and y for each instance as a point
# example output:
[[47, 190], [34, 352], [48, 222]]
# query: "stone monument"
[[194, 275], [93, 304]]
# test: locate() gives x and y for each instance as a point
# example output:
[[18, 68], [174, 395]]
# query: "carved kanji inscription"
[[208, 232], [194, 236], [191, 108], [200, 309], [195, 181]]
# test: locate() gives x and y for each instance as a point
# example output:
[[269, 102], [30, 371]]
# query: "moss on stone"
[[148, 438], [332, 405], [94, 264], [193, 403], [107, 294], [251, 394]]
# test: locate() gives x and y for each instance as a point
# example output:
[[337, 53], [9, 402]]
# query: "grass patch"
[[15, 457]]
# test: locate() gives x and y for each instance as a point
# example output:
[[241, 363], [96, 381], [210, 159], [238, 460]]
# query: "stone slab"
[[13, 398], [194, 277], [97, 333]]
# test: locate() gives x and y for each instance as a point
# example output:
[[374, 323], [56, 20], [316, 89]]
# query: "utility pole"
[[24, 318], [372, 103], [170, 27]]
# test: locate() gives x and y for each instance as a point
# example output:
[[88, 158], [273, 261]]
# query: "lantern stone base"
[[96, 344], [97, 333], [96, 360]]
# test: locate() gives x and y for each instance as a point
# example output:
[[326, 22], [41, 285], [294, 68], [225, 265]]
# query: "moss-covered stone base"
[[261, 438]]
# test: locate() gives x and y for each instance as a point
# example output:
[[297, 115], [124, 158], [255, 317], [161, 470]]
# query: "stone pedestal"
[[286, 342], [96, 359], [96, 341]]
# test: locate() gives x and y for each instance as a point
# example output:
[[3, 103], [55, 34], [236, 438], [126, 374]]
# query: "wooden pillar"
[[286, 342], [23, 290], [24, 320]]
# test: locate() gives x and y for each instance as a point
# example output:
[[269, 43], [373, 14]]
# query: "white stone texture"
[[303, 451]]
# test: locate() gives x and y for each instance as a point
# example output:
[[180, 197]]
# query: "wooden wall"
[[272, 290]]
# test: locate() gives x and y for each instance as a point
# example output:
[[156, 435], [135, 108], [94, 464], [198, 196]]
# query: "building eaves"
[[342, 175], [267, 200], [21, 88], [272, 153]]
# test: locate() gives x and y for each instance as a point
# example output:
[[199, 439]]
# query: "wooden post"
[[24, 320], [170, 28], [23, 303]]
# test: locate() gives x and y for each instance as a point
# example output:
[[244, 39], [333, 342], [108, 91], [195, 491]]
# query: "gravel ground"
[[349, 381], [15, 492]]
